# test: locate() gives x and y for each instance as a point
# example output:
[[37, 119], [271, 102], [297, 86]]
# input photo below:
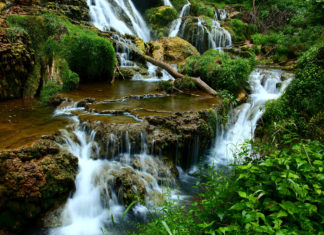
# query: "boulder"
[[32, 180], [172, 50]]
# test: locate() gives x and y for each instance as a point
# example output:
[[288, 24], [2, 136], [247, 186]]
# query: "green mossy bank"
[[61, 54]]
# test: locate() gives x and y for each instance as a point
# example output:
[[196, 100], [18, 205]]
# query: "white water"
[[96, 200], [243, 121], [153, 77], [112, 15], [217, 38], [167, 3], [175, 25]]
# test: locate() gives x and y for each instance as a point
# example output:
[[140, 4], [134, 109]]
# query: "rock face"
[[16, 59], [172, 50], [180, 137], [74, 9], [32, 179]]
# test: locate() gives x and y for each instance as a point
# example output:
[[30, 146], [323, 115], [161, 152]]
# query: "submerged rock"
[[32, 180]]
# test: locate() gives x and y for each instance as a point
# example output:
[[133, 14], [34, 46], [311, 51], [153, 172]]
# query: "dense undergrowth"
[[278, 186], [220, 71], [65, 52]]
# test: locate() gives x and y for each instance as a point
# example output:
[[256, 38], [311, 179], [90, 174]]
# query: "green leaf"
[[242, 194]]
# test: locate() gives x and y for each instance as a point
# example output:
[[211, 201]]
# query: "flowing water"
[[175, 25], [266, 84], [105, 178], [118, 15]]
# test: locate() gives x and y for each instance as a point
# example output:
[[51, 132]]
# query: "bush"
[[90, 56], [50, 89], [185, 83], [279, 194], [220, 71], [166, 86], [239, 28], [303, 98]]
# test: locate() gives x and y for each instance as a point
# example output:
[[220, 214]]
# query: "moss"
[[185, 83], [50, 89], [159, 18], [238, 29], [33, 82], [220, 71], [166, 86]]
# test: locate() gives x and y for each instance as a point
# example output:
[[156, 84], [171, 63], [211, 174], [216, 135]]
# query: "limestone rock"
[[32, 179], [172, 50]]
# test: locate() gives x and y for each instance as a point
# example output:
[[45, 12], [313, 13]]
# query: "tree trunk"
[[200, 83]]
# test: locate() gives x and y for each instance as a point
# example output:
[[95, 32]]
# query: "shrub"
[[185, 83], [278, 194], [50, 89], [220, 71], [303, 98], [239, 28], [166, 86], [92, 57]]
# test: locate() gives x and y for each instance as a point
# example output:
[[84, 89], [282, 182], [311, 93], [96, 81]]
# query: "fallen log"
[[198, 82]]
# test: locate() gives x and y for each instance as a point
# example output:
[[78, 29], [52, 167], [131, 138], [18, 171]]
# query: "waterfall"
[[175, 25], [220, 14], [99, 196], [123, 50], [118, 15], [202, 37], [242, 123], [167, 3]]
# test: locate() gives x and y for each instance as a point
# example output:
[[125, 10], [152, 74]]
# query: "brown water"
[[24, 121], [120, 89]]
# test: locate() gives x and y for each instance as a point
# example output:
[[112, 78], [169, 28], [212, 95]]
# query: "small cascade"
[[175, 25], [153, 76], [106, 183], [243, 121], [198, 32], [220, 14], [122, 48], [167, 3], [120, 16]]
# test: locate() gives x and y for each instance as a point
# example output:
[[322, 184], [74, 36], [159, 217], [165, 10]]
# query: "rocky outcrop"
[[171, 50], [32, 180], [16, 60], [180, 137], [74, 9]]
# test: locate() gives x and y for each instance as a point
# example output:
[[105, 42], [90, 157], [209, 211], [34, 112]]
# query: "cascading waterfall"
[[97, 198], [242, 123], [175, 25], [123, 51], [220, 14], [167, 3], [204, 38], [118, 15]]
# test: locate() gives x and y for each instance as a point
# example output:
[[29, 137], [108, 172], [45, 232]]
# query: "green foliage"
[[70, 79], [50, 89], [92, 57], [220, 71], [198, 8], [166, 86], [185, 83], [161, 16], [178, 4], [239, 28], [303, 98], [282, 193]]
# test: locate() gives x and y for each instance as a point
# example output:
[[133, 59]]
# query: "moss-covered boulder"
[[172, 50], [16, 60], [32, 180], [159, 18], [74, 9]]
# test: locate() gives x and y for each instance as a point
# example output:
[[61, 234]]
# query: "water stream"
[[105, 180]]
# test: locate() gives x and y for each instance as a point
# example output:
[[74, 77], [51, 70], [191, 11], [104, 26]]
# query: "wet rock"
[[32, 179], [56, 100], [172, 50]]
